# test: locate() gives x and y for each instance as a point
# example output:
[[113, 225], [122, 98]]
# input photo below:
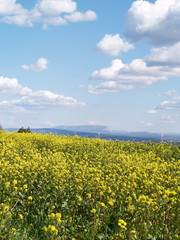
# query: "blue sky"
[[113, 63]]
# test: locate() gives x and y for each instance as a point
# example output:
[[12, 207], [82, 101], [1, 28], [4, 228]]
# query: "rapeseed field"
[[72, 188]]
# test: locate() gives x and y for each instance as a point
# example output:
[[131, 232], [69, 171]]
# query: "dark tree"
[[24, 130], [28, 130]]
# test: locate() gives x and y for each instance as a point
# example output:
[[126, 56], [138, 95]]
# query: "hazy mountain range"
[[100, 131]]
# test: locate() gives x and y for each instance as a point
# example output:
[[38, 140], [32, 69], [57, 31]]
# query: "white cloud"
[[45, 12], [54, 21], [147, 124], [121, 76], [113, 45], [39, 66], [13, 13], [11, 86], [10, 7], [78, 16], [27, 99], [136, 72], [42, 99], [158, 21], [171, 92], [167, 56], [108, 87], [167, 119], [176, 98], [152, 111], [128, 76], [170, 105], [56, 7], [9, 107], [20, 20]]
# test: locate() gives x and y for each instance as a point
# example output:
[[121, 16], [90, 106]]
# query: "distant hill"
[[97, 135], [103, 133], [85, 128]]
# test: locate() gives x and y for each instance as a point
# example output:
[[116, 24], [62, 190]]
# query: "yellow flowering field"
[[72, 188]]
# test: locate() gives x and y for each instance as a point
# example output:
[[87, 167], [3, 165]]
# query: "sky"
[[88, 62]]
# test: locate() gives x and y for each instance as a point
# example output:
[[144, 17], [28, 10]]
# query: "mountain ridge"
[[105, 133]]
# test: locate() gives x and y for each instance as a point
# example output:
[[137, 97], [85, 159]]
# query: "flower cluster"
[[58, 187]]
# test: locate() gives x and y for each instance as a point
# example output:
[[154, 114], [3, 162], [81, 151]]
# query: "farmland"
[[73, 188]]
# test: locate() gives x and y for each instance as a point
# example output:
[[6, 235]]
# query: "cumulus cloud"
[[27, 99], [113, 45], [20, 20], [11, 86], [158, 21], [10, 7], [120, 76], [39, 66], [53, 21], [79, 17], [46, 12], [16, 14], [165, 56], [138, 73], [56, 7], [42, 99]]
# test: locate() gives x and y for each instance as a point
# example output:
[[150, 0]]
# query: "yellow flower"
[[44, 229], [9, 214], [122, 224], [25, 186], [93, 210], [103, 204], [51, 215], [14, 182], [30, 198], [20, 216], [7, 184], [111, 202], [89, 195], [52, 229], [119, 235], [79, 198], [131, 208], [6, 208], [58, 217], [133, 236]]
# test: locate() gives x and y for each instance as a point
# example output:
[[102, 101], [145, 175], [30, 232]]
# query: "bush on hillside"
[[24, 130]]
